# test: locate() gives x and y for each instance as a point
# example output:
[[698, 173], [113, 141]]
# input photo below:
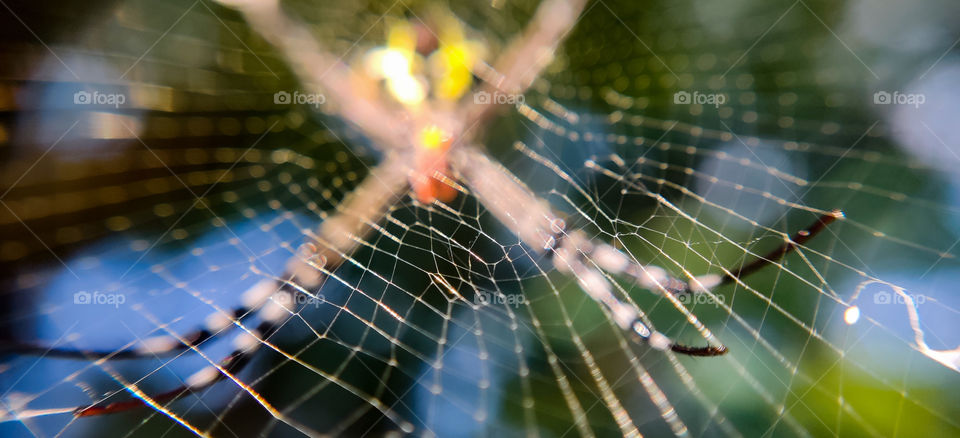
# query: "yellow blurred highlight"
[[453, 61], [402, 39], [432, 137], [452, 64]]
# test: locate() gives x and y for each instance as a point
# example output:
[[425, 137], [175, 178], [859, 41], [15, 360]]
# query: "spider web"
[[441, 322]]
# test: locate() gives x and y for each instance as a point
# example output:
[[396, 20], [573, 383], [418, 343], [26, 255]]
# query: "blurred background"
[[148, 173]]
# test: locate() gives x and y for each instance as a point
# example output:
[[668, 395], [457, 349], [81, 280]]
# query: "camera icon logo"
[[81, 297], [481, 299], [681, 97], [881, 98], [81, 98], [481, 98], [281, 98], [882, 297]]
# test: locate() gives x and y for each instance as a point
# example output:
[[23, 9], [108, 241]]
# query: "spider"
[[426, 130]]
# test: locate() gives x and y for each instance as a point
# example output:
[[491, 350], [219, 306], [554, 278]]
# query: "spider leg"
[[531, 219], [526, 56], [162, 345], [654, 278], [574, 254], [338, 235], [148, 348], [799, 238], [216, 324], [245, 347], [641, 332], [356, 217]]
